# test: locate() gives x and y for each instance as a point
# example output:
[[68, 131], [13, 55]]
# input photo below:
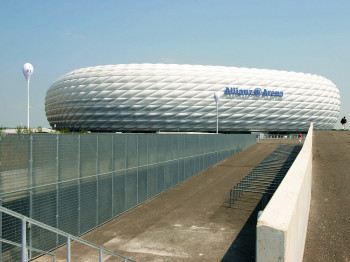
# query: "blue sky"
[[57, 37]]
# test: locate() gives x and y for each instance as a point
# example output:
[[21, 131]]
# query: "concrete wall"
[[282, 226]]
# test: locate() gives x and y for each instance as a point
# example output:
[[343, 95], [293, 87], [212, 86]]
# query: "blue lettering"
[[247, 92]]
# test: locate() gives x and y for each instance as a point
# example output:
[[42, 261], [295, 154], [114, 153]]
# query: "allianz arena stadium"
[[180, 98]]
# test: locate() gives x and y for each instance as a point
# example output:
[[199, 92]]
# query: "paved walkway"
[[190, 222], [328, 237]]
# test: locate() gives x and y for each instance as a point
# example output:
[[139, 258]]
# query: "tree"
[[18, 129]]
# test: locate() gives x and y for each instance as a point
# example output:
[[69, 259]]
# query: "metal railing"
[[69, 238], [29, 248], [280, 136], [267, 176]]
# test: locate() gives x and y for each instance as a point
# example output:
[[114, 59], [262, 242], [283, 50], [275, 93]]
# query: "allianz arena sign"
[[257, 92]]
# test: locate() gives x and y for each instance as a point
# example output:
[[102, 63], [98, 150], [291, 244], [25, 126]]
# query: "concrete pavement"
[[190, 222]]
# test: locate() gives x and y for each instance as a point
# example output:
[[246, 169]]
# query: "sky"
[[57, 37]]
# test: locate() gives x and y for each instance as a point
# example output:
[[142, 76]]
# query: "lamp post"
[[27, 72], [217, 98]]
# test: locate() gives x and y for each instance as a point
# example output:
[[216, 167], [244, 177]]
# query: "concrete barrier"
[[282, 226]]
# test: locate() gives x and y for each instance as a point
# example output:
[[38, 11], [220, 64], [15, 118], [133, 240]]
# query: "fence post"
[[24, 240], [125, 167], [0, 226], [137, 172], [30, 190], [97, 177], [113, 173], [0, 204], [57, 183], [147, 166], [68, 249], [79, 178], [100, 256]]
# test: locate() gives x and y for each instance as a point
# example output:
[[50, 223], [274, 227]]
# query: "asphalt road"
[[328, 236]]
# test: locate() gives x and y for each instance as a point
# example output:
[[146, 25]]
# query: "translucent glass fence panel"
[[160, 178], [181, 171], [131, 188], [88, 204], [175, 172], [119, 192], [68, 157], [105, 193], [119, 152], [168, 148], [42, 239], [43, 152], [161, 148], [168, 175], [14, 153], [131, 151], [181, 146], [105, 147], [88, 155], [142, 184], [44, 209], [175, 147], [152, 149], [19, 202], [68, 207], [152, 180], [10, 225], [142, 150]]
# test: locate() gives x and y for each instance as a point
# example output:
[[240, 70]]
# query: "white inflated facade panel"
[[165, 97]]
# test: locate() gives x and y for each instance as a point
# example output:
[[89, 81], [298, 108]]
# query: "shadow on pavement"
[[243, 247]]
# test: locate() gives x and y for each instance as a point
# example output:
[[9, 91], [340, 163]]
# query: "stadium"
[[180, 98]]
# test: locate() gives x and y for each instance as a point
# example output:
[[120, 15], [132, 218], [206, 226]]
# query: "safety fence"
[[281, 136], [76, 182], [26, 221]]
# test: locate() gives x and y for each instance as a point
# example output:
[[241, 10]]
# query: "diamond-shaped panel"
[[153, 97]]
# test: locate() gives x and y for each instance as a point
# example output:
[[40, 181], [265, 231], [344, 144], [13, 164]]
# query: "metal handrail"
[[30, 248], [69, 237], [267, 176]]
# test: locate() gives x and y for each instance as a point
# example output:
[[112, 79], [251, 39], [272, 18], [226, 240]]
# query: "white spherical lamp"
[[27, 72]]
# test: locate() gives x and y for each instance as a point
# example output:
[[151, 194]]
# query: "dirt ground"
[[190, 222], [328, 236]]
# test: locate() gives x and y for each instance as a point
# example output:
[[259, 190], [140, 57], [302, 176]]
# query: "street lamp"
[[217, 98], [27, 71]]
